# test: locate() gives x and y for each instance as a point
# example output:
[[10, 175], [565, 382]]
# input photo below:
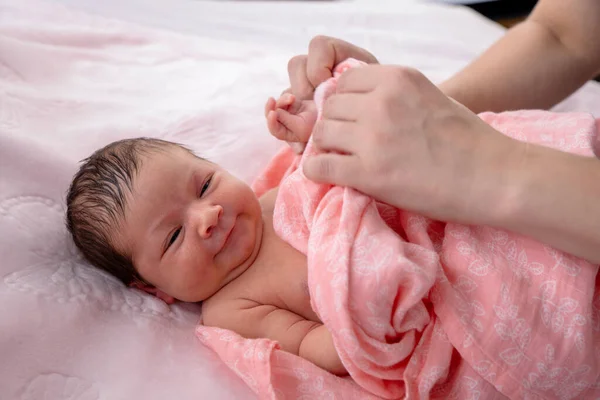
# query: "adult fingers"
[[332, 135], [336, 169], [324, 53], [360, 80], [300, 85], [344, 107]]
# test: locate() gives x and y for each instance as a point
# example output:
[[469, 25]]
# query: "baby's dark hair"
[[96, 202]]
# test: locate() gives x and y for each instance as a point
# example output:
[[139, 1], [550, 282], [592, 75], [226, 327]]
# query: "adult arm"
[[537, 63], [553, 197]]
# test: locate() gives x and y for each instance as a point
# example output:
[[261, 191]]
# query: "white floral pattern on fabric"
[[422, 309]]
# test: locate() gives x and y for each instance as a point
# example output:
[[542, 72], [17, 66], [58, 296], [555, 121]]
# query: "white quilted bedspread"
[[71, 82]]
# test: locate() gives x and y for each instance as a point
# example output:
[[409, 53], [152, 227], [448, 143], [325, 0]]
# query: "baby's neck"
[[249, 270]]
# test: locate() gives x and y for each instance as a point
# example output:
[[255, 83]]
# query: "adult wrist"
[[505, 177]]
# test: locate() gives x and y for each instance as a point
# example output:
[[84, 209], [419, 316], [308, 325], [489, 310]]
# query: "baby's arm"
[[317, 346], [289, 119], [308, 339]]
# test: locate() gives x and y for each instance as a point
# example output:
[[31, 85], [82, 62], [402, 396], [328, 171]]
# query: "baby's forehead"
[[164, 172], [171, 155]]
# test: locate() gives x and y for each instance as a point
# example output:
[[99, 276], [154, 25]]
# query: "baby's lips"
[[225, 237]]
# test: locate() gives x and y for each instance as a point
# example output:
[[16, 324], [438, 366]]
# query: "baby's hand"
[[291, 120]]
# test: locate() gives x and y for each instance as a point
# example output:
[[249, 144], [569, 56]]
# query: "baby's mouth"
[[227, 236]]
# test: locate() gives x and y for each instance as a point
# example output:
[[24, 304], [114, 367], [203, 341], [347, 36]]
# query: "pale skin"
[[196, 233], [537, 63], [406, 143]]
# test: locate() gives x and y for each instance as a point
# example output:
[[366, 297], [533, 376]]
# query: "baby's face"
[[190, 226]]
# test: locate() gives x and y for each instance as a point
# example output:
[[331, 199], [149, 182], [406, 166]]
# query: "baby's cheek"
[[195, 288], [184, 276]]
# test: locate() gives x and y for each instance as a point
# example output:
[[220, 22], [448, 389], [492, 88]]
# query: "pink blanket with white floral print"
[[423, 309]]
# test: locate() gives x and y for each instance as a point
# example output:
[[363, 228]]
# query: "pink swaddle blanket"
[[424, 309]]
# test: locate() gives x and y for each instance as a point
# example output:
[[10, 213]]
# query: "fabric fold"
[[423, 309]]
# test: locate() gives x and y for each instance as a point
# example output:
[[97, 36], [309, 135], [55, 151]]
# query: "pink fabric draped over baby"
[[423, 309]]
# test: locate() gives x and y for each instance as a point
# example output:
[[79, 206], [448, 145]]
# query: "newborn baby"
[[177, 226]]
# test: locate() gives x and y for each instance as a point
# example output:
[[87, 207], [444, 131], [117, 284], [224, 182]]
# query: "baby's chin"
[[246, 246], [203, 293], [247, 253]]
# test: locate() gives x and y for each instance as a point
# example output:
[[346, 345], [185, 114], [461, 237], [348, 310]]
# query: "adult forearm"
[[553, 197], [530, 67]]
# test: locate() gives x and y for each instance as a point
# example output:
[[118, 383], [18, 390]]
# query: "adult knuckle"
[[407, 76], [295, 62], [412, 73], [397, 75], [318, 41]]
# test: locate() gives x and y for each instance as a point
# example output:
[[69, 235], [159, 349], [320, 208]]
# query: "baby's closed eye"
[[205, 186], [174, 237]]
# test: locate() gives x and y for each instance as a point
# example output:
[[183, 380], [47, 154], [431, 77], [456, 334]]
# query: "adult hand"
[[399, 139], [307, 71]]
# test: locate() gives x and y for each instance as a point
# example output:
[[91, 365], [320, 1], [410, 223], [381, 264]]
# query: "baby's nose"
[[209, 220]]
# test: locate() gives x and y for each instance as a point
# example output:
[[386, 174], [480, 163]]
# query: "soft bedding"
[[75, 75]]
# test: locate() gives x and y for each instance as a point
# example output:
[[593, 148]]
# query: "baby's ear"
[[153, 291]]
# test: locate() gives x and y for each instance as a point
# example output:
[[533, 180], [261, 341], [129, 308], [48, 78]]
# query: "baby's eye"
[[206, 185], [174, 237]]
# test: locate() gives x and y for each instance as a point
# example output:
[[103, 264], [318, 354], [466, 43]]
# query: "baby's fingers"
[[275, 127], [285, 100], [292, 128], [269, 106]]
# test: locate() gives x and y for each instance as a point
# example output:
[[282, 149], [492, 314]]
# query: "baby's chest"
[[280, 276]]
